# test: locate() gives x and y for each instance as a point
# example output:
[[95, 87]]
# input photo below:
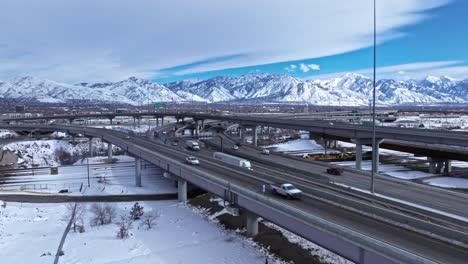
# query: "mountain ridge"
[[350, 89]]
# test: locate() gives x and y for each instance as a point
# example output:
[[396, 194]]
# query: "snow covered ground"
[[116, 178], [30, 233], [448, 182], [389, 169], [302, 146]]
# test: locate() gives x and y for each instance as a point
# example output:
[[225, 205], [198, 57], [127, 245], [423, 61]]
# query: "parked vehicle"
[[265, 152], [287, 190], [192, 160], [193, 145], [235, 147], [335, 171], [233, 160], [174, 143]]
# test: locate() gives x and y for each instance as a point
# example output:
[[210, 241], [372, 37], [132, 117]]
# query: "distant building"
[[20, 109], [121, 110]]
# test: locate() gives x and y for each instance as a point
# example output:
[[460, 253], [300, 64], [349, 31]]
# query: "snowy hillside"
[[349, 89]]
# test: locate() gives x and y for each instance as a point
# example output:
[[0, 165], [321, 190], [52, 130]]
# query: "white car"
[[235, 147], [127, 137], [265, 152], [192, 160]]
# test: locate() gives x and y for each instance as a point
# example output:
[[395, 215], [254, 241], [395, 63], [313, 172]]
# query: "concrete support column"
[[251, 223], [181, 189], [138, 172], [162, 121], [358, 155], [255, 136], [109, 151], [243, 131], [203, 124], [375, 154], [447, 166], [432, 165], [134, 122], [196, 127], [90, 151], [139, 121], [157, 121], [110, 121]]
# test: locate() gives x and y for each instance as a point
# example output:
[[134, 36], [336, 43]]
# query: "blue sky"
[[169, 40], [436, 45]]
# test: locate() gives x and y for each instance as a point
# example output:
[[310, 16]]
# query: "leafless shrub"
[[103, 214], [149, 220], [124, 225]]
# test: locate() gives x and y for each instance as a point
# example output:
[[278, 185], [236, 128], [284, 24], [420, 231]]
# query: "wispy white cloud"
[[308, 67], [86, 40], [291, 68], [416, 71]]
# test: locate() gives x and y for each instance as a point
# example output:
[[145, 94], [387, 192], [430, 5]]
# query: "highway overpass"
[[359, 237]]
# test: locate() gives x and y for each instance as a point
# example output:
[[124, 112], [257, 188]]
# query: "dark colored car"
[[334, 171]]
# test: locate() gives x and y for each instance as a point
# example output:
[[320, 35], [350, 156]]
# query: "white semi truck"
[[233, 160], [193, 145]]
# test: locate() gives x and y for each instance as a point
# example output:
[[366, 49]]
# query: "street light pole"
[[374, 145], [87, 165]]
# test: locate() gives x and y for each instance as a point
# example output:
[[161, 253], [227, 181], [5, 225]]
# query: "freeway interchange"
[[357, 226]]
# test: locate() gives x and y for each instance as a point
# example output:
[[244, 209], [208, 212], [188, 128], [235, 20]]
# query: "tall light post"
[[374, 145]]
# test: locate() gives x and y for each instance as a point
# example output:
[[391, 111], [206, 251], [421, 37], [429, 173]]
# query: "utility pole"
[[87, 165], [374, 145]]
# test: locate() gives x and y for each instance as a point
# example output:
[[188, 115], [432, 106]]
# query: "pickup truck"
[[287, 190]]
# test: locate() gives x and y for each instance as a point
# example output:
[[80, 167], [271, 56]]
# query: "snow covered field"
[[116, 178], [28, 231]]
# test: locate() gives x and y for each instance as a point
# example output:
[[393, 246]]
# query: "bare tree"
[[149, 220], [76, 212], [125, 225], [103, 214]]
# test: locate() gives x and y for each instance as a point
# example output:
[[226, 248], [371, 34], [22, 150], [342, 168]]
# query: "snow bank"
[[448, 182]]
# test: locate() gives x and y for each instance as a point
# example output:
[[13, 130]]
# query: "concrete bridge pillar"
[[134, 122], [432, 165], [139, 121], [447, 166], [255, 136], [162, 121], [196, 127], [243, 132], [203, 124], [138, 172], [110, 121], [157, 121], [375, 154], [358, 155], [251, 223], [109, 151], [181, 189]]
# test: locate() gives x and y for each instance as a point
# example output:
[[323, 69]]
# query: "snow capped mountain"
[[349, 89], [136, 91]]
